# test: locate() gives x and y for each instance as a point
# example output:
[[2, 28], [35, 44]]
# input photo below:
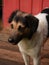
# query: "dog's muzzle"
[[16, 40]]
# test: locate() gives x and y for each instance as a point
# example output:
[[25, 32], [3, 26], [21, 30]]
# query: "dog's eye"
[[12, 26], [21, 29]]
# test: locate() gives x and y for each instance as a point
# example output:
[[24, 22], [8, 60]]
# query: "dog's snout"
[[11, 40]]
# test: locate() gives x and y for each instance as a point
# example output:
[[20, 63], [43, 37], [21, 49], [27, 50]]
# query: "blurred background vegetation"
[[1, 15]]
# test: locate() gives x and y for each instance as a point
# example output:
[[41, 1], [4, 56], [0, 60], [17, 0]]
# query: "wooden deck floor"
[[10, 55]]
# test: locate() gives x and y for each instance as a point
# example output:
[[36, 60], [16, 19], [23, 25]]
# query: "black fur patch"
[[45, 11], [12, 16], [48, 24], [32, 23]]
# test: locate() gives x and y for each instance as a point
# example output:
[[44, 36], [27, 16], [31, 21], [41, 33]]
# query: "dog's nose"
[[11, 40]]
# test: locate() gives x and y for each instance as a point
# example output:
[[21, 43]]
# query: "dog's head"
[[23, 25]]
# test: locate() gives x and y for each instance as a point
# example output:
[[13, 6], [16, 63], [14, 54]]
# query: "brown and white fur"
[[29, 40]]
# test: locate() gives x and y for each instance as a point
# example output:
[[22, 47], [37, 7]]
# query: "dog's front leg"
[[26, 58], [36, 61]]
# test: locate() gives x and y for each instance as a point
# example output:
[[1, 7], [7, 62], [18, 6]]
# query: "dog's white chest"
[[29, 46]]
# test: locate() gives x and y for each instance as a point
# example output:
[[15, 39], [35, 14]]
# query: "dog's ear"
[[12, 16], [31, 22]]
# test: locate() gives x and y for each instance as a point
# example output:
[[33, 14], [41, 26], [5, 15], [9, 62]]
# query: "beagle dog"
[[29, 32]]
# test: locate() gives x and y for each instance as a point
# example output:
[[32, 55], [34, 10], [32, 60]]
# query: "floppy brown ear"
[[32, 22]]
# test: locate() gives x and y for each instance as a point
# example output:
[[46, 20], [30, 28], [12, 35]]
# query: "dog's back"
[[47, 17], [44, 17], [45, 11]]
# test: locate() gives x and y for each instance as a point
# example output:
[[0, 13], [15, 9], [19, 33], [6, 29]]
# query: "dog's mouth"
[[15, 40]]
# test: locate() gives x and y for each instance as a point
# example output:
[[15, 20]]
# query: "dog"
[[29, 32]]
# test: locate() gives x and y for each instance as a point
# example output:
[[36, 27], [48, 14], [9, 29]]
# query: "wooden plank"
[[36, 6], [8, 46], [25, 5], [9, 62], [8, 7], [46, 46], [11, 55]]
